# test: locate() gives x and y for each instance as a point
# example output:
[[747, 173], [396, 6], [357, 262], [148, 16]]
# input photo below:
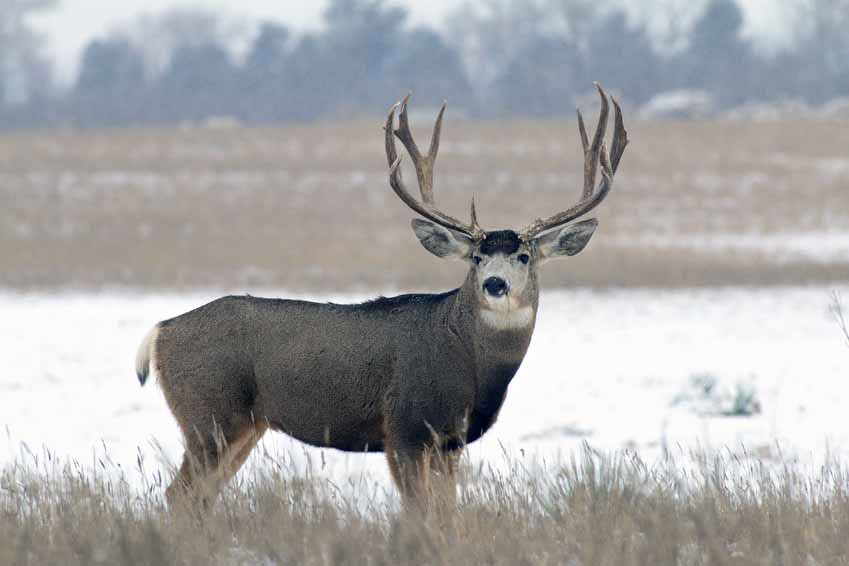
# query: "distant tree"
[[158, 36], [621, 56], [189, 64], [576, 20], [489, 34], [111, 87], [820, 60], [311, 90], [267, 77], [110, 65], [535, 57], [547, 86], [718, 29], [424, 64], [670, 23], [717, 58], [26, 81], [370, 25], [271, 47], [361, 37], [200, 82]]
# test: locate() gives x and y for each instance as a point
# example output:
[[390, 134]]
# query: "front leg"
[[410, 469], [425, 429], [424, 473], [443, 478]]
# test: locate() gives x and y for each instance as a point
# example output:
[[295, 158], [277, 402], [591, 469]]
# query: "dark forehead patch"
[[500, 241]]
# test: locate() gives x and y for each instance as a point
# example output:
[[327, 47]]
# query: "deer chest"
[[492, 390]]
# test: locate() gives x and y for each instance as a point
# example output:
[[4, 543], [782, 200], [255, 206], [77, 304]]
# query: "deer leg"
[[238, 458], [211, 460], [188, 485], [443, 478], [410, 469], [180, 486]]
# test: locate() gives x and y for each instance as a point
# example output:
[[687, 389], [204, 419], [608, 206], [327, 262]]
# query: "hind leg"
[[180, 487], [239, 457], [212, 459], [193, 483]]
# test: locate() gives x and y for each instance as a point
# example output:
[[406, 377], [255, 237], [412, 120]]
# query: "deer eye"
[[524, 258], [476, 259]]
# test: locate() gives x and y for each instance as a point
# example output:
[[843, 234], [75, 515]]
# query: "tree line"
[[493, 58]]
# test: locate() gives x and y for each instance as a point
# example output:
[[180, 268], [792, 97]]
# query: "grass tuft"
[[598, 509]]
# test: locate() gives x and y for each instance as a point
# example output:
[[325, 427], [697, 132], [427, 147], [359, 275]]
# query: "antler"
[[594, 154], [424, 172]]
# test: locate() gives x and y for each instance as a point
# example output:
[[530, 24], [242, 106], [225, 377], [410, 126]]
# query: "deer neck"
[[499, 335], [496, 350]]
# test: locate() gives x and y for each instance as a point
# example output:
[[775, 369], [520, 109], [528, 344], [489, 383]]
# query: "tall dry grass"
[[309, 208], [840, 316], [596, 510]]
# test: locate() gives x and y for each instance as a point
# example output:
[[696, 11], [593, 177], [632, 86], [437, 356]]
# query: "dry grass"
[[309, 208], [598, 510], [839, 315]]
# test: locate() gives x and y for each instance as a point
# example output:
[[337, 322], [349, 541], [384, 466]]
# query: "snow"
[[787, 246], [683, 103], [614, 368]]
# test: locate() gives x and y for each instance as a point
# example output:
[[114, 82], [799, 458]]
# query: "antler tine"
[[620, 137], [595, 157], [391, 150], [474, 216], [437, 133], [424, 171], [423, 163], [403, 132], [397, 185], [584, 142], [591, 156]]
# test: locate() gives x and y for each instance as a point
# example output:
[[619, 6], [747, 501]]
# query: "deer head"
[[503, 263]]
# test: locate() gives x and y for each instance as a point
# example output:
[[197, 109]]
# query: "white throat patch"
[[507, 319]]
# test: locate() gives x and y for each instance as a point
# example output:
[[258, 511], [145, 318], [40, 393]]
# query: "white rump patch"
[[506, 319]]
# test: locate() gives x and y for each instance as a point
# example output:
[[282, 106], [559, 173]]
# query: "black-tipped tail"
[[146, 355], [142, 375]]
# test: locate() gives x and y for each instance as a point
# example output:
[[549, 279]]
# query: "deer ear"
[[442, 242], [566, 241]]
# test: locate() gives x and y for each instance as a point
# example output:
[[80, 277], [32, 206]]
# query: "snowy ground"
[[783, 247], [642, 369]]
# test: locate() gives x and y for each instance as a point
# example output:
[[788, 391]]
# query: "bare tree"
[[158, 37], [490, 32], [669, 23], [822, 48], [23, 67]]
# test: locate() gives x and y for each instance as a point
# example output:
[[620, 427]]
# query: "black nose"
[[495, 286]]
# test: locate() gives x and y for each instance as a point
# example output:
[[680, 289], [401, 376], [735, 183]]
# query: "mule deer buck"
[[415, 376]]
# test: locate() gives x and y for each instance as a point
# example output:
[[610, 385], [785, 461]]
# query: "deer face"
[[503, 264]]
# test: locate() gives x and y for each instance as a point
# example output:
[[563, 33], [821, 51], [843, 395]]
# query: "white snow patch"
[[682, 103], [825, 247], [605, 367]]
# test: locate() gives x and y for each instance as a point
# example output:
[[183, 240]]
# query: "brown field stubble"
[[599, 510], [310, 208]]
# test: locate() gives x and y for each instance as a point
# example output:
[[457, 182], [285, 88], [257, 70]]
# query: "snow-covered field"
[[784, 247], [642, 369]]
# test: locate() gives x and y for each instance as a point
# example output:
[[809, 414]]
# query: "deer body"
[[414, 376], [340, 376]]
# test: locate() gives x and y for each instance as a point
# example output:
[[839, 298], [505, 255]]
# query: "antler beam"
[[595, 155], [424, 171]]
